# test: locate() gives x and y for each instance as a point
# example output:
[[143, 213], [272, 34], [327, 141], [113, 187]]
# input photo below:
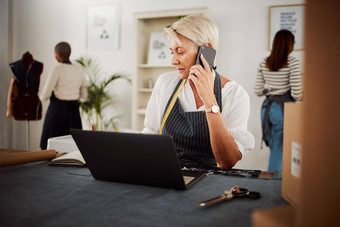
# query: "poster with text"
[[103, 27], [290, 17]]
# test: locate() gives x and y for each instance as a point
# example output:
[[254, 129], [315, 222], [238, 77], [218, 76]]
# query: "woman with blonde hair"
[[204, 112], [279, 79]]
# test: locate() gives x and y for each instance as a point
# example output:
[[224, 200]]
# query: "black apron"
[[190, 132], [61, 116]]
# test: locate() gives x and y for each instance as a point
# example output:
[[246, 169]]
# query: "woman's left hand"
[[203, 79]]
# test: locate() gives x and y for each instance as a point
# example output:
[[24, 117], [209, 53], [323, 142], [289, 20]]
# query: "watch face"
[[215, 109]]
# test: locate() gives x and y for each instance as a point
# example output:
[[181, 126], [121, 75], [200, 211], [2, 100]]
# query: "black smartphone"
[[209, 55]]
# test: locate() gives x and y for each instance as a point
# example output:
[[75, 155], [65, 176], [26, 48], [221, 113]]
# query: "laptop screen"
[[147, 159]]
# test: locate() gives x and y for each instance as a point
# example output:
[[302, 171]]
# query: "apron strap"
[[171, 105]]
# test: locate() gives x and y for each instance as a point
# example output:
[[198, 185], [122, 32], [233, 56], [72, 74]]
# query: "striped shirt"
[[279, 82]]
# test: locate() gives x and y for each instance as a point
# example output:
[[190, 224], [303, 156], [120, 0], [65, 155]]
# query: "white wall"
[[5, 125], [39, 24]]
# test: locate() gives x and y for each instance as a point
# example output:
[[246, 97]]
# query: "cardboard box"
[[292, 148], [274, 217]]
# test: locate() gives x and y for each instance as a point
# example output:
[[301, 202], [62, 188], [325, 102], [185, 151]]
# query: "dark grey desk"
[[36, 194]]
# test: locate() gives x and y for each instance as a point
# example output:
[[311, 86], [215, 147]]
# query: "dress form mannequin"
[[23, 101]]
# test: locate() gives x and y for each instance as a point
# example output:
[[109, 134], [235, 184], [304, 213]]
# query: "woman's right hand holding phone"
[[203, 79]]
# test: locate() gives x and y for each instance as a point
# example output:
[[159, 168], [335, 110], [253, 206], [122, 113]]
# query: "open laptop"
[[146, 159]]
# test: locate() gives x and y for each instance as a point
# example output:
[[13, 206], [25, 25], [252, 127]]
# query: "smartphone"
[[209, 55]]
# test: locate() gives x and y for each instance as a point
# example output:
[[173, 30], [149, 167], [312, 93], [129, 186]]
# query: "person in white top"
[[208, 120], [65, 85]]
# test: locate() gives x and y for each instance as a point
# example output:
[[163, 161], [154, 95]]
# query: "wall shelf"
[[146, 66], [145, 90], [141, 111]]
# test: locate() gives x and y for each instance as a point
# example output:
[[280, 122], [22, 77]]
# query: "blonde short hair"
[[199, 29]]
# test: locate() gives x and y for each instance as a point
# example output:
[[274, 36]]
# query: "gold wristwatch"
[[213, 109]]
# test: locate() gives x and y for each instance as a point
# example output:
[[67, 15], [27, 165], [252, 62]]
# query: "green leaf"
[[98, 97]]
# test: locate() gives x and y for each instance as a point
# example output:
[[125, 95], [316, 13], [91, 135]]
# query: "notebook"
[[145, 159]]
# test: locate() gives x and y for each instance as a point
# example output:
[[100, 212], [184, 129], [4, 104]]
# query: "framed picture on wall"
[[289, 17], [159, 52], [103, 27]]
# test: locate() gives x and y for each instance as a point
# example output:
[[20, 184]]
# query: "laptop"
[[145, 159]]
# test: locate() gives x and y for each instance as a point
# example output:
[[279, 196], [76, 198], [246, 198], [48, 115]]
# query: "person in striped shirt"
[[279, 79]]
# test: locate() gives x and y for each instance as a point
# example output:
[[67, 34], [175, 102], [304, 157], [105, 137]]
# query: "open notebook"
[[133, 158]]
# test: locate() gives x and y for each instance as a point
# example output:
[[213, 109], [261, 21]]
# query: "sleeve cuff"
[[240, 148]]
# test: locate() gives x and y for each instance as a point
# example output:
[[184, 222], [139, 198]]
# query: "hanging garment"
[[23, 102]]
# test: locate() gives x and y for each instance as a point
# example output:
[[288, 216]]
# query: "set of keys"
[[234, 192]]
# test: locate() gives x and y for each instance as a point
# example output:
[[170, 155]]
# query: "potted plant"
[[98, 97]]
